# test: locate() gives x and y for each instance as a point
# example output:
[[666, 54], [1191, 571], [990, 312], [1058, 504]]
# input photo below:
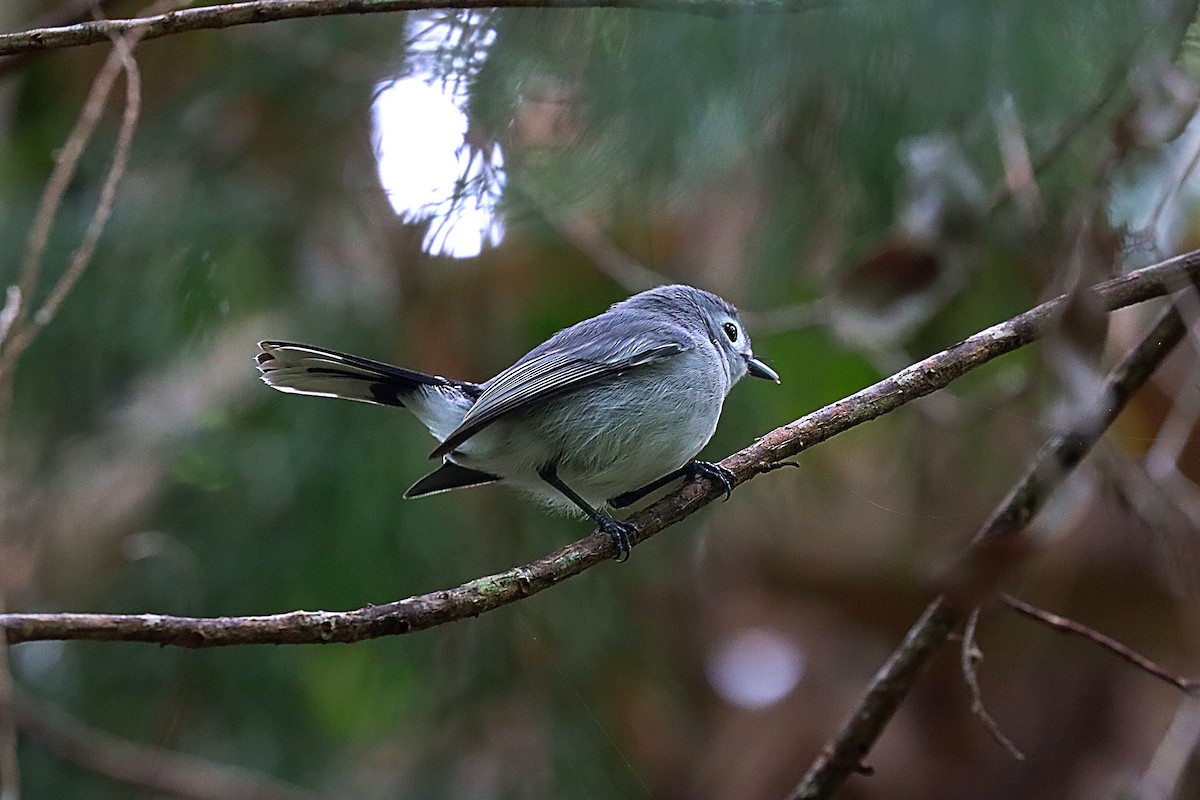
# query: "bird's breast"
[[608, 437]]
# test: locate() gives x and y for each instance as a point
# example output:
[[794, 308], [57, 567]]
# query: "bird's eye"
[[731, 331]]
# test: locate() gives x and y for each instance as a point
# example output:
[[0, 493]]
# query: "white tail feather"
[[439, 403]]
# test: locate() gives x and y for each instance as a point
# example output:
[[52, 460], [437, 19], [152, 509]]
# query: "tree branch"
[[228, 15], [969, 657], [483, 594], [24, 326], [151, 768], [71, 13], [15, 320], [996, 549], [25, 331], [1064, 625]]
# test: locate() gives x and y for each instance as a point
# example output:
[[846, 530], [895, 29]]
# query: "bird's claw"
[[620, 533], [715, 473]]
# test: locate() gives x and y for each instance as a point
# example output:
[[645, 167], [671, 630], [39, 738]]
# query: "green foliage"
[[755, 153]]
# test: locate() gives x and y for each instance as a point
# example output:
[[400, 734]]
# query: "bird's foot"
[[620, 533], [715, 473]]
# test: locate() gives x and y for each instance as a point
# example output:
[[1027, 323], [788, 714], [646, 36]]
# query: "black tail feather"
[[449, 476]]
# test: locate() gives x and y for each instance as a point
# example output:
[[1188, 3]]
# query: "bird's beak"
[[760, 370]]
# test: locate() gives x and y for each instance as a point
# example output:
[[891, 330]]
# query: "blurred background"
[[870, 182]]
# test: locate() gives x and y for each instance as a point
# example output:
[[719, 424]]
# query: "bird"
[[595, 418]]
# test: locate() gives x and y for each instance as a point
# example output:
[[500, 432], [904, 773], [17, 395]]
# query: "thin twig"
[[1020, 181], [66, 163], [1149, 230], [994, 552], [8, 315], [24, 327], [1073, 127], [18, 330], [1065, 625], [108, 191], [151, 768], [227, 15], [483, 594], [970, 657]]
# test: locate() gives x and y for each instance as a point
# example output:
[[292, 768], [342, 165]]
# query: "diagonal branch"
[[15, 320], [1064, 625], [484, 594], [25, 330], [997, 548], [228, 15], [150, 768], [65, 165]]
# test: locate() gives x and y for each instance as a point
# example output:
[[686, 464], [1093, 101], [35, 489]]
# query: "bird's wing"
[[540, 376]]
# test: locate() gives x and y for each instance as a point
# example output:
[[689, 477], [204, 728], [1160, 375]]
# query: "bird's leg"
[[618, 530], [629, 498], [714, 472]]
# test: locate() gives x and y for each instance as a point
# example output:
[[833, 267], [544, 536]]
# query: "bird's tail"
[[438, 402]]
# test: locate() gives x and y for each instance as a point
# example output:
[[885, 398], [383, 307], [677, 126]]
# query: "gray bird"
[[598, 416]]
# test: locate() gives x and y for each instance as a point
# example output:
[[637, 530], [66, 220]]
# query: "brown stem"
[[51, 201], [483, 594], [24, 328], [969, 659], [227, 15], [994, 552], [155, 769], [1064, 625]]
